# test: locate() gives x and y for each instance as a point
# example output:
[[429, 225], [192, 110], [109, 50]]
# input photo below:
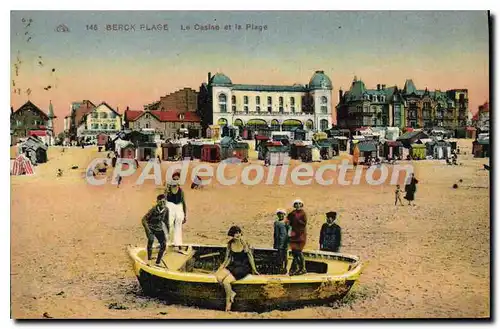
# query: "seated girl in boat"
[[238, 264]]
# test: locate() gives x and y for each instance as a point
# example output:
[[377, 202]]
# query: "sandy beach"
[[432, 260]]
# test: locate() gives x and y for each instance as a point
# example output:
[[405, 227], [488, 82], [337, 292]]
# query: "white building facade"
[[278, 107]]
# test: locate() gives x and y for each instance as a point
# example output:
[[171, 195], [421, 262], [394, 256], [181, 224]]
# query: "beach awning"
[[367, 147], [39, 133], [416, 146], [393, 143]]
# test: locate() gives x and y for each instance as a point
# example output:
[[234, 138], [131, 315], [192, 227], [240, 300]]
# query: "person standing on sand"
[[177, 213], [410, 189], [398, 195], [152, 223], [298, 236]]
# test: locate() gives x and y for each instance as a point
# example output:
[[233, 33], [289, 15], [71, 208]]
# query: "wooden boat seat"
[[176, 261]]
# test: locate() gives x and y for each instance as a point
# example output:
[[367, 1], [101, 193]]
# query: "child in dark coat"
[[330, 236], [281, 240]]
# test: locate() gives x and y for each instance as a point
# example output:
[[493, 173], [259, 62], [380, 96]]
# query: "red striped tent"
[[22, 166]]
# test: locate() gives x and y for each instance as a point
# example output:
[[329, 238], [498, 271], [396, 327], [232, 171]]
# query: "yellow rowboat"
[[188, 278]]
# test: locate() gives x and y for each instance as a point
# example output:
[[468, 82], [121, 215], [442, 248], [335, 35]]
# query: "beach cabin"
[[226, 147], [187, 151], [393, 149], [418, 151], [210, 153], [481, 148], [368, 149], [215, 132], [325, 148], [298, 134], [171, 151], [35, 149], [439, 149], [240, 151], [470, 132], [128, 151], [102, 139], [277, 155], [146, 151], [298, 149], [260, 143]]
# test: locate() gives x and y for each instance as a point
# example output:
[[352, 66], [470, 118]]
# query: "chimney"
[[209, 76], [378, 86], [127, 109], [341, 94], [383, 86]]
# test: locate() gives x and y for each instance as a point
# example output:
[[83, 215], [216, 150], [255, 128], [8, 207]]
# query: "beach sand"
[[432, 260]]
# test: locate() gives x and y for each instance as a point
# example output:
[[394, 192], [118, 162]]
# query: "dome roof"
[[320, 81], [220, 79]]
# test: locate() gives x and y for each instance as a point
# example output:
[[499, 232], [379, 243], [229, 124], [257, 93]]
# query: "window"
[[138, 125], [382, 99], [367, 97], [112, 115], [112, 126], [233, 102], [324, 105], [269, 104], [94, 126], [104, 126], [292, 104], [257, 109], [281, 105], [257, 100], [147, 116], [222, 103], [95, 115], [245, 104], [104, 115], [147, 125]]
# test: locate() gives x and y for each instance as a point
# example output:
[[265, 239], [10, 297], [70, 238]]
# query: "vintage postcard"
[[250, 164]]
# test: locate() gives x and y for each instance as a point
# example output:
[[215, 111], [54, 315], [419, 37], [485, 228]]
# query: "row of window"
[[103, 115], [223, 104], [34, 123], [103, 126], [375, 98]]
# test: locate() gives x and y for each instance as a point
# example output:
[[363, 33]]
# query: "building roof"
[[409, 87], [294, 88], [164, 116], [30, 106], [81, 109], [320, 80], [220, 79]]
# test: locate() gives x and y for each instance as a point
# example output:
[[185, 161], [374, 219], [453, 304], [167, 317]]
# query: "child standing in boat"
[[177, 211], [331, 234], [152, 223], [298, 237], [281, 240]]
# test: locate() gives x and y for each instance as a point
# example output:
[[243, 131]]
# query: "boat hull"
[[254, 293]]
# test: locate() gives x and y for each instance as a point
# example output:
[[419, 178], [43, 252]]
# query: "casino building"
[[279, 107]]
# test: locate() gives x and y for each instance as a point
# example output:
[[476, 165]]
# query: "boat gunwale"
[[352, 274]]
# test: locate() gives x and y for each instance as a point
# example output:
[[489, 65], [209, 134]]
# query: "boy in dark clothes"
[[281, 240], [330, 236], [152, 223]]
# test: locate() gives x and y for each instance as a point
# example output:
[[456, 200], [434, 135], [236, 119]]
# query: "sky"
[[437, 49]]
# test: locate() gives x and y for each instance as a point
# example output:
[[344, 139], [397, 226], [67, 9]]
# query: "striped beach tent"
[[22, 166]]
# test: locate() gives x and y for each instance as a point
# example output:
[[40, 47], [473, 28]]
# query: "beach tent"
[[128, 151], [439, 149], [315, 154], [171, 150], [393, 149], [325, 147], [146, 151], [418, 151], [102, 139], [368, 148], [210, 153], [240, 151], [481, 148], [278, 155], [22, 166]]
